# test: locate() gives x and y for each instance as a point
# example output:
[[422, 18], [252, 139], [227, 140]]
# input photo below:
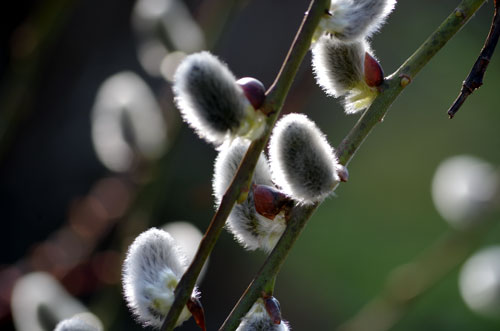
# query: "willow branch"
[[475, 78], [392, 87], [396, 82], [296, 223], [272, 106], [410, 281]]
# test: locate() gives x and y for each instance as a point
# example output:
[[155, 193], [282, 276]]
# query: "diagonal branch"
[[408, 282], [397, 81], [273, 104], [475, 78], [392, 87], [298, 219]]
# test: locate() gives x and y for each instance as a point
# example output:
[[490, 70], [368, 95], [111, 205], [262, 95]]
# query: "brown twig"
[[475, 78]]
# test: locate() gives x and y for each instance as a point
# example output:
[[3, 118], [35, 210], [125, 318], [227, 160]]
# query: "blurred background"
[[93, 151]]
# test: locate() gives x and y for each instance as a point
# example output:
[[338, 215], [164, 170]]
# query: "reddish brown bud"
[[254, 90], [269, 201], [273, 308], [374, 75], [343, 173], [196, 309]]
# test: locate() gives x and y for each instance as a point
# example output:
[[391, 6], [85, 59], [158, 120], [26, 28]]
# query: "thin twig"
[[475, 78], [392, 87], [273, 104]]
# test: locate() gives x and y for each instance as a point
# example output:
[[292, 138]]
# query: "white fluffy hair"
[[338, 66], [249, 228], [356, 19], [257, 319], [339, 71], [151, 271], [80, 322], [302, 161], [208, 97]]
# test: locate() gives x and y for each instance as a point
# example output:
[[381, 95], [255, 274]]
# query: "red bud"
[[269, 201], [374, 75], [273, 309], [342, 173], [254, 90], [196, 309]]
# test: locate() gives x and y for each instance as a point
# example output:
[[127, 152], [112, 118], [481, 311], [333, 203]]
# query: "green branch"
[[408, 282], [392, 87], [298, 219], [396, 82], [273, 104]]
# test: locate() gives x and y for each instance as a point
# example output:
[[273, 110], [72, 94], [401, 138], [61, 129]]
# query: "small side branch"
[[475, 78]]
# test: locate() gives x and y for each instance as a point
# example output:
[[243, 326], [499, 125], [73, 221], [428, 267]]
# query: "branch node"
[[459, 13], [404, 80]]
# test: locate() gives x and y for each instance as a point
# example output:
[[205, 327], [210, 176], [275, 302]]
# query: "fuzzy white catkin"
[[464, 188], [353, 20], [211, 102], [37, 293], [302, 161], [151, 271], [188, 238], [257, 319], [250, 229], [338, 66], [339, 70], [479, 282], [127, 122], [80, 322]]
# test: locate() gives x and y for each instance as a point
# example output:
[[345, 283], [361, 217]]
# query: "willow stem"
[[269, 288], [272, 106], [396, 82], [391, 88], [275, 260]]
